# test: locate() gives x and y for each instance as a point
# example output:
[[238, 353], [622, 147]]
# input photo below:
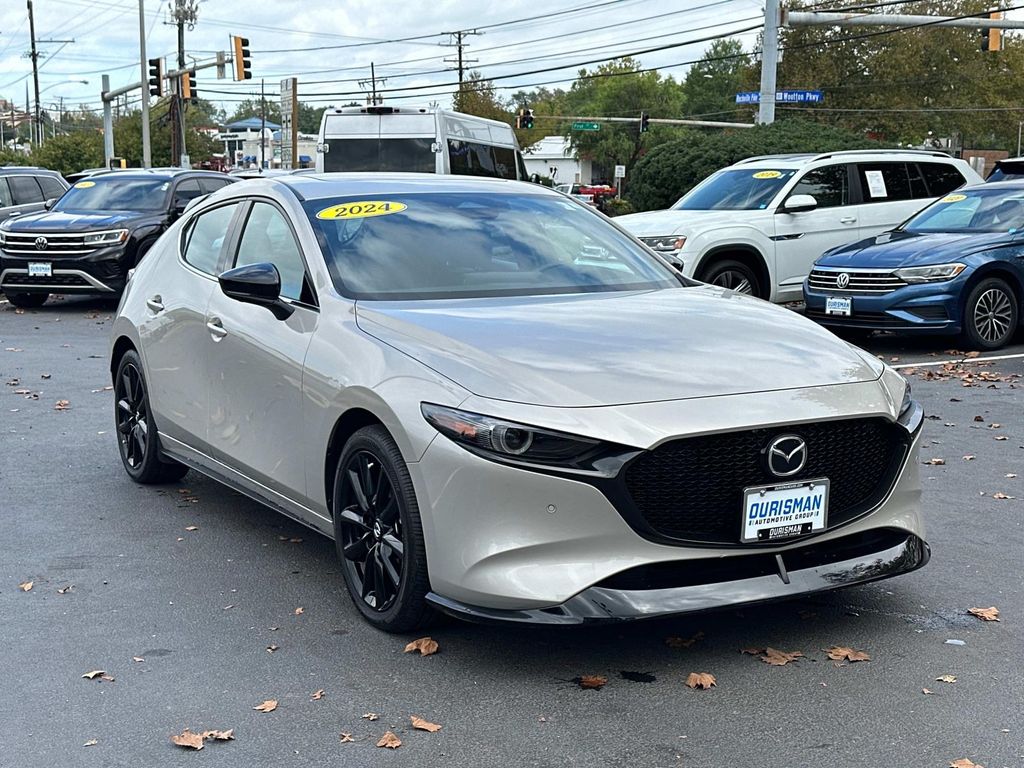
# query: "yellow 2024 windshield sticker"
[[361, 209], [953, 198], [768, 174], [85, 184]]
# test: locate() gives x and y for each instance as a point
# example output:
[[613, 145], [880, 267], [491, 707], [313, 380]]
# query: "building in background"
[[553, 157]]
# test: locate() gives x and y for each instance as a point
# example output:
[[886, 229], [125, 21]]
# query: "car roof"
[[800, 159], [159, 173], [320, 185], [1007, 184], [8, 170]]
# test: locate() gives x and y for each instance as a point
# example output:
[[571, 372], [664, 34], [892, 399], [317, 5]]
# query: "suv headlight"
[[931, 274], [113, 237], [664, 243], [3, 236]]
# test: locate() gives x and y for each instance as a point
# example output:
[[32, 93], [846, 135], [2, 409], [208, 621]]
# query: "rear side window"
[[941, 178], [468, 158], [830, 186], [205, 238], [51, 187], [25, 190], [186, 191], [6, 198], [212, 185]]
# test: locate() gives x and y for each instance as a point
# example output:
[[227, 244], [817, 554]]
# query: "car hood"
[[69, 221], [669, 222], [616, 348], [910, 249]]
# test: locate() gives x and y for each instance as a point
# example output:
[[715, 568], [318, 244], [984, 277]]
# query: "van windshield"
[[409, 155]]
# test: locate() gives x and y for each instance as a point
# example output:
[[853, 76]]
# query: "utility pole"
[[185, 12], [37, 125], [108, 124], [263, 125], [769, 62], [372, 82], [147, 153], [458, 42]]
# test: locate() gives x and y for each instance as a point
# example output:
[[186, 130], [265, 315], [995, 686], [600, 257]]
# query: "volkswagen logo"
[[843, 280], [787, 455], [41, 243]]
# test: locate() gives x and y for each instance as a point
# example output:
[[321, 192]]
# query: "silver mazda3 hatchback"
[[500, 405]]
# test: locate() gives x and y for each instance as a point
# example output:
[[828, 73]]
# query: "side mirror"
[[50, 203], [799, 204], [258, 284]]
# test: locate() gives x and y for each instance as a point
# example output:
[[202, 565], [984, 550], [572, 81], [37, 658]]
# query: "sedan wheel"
[[378, 534], [733, 275], [990, 314]]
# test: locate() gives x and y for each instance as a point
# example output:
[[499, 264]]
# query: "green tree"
[[251, 108], [476, 96], [309, 117], [546, 105], [71, 152], [711, 85]]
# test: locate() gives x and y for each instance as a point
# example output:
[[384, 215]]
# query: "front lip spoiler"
[[603, 605]]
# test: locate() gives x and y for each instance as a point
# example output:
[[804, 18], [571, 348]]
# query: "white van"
[[417, 140]]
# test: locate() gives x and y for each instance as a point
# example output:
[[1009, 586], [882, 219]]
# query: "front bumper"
[[104, 271], [844, 563]]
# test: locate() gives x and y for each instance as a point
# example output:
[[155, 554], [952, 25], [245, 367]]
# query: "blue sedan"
[[956, 267]]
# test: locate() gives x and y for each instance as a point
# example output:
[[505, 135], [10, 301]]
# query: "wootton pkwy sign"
[[782, 97]]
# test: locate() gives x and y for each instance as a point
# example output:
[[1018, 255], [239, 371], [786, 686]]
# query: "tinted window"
[[737, 189], [977, 210], [268, 238], [402, 155], [113, 192], [25, 190], [52, 188], [829, 186], [451, 245], [205, 238], [881, 182], [212, 185], [6, 198], [941, 178], [185, 191], [468, 158]]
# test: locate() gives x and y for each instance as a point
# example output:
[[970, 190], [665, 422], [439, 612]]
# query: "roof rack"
[[790, 156], [811, 156]]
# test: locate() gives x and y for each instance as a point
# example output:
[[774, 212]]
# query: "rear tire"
[[991, 315], [137, 438], [27, 300], [734, 275], [378, 534]]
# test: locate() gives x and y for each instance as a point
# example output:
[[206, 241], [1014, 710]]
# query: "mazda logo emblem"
[[42, 243], [787, 455], [843, 280]]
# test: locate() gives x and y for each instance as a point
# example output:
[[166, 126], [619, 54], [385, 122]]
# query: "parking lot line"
[[960, 360]]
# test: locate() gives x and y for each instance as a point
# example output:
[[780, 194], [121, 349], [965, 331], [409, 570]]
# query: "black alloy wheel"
[[990, 314], [378, 533], [137, 438]]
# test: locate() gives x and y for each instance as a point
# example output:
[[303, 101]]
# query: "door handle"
[[216, 328], [848, 220], [155, 303]]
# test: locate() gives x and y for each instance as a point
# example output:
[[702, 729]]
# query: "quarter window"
[[829, 186], [186, 191], [5, 194], [51, 187], [25, 190], [205, 238], [941, 178], [268, 238], [212, 185]]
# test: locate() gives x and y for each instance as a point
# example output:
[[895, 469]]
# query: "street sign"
[[620, 171], [783, 97], [289, 118], [581, 126]]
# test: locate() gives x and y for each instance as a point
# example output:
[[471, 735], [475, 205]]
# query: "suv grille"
[[860, 282], [57, 244], [692, 489], [13, 280]]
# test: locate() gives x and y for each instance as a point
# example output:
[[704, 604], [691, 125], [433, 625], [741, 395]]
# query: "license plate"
[[775, 512], [40, 269], [839, 305]]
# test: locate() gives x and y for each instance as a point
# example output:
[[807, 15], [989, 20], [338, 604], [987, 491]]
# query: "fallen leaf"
[[44, 375], [963, 762], [299, 611], [985, 614], [272, 648], [969, 457], [1001, 495], [1000, 437], [64, 590], [1010, 475], [267, 706], [228, 735], [138, 659], [345, 737], [94, 674], [91, 743], [389, 741], [702, 680], [969, 355], [935, 461], [683, 642], [946, 679], [774, 657], [994, 425], [26, 586], [188, 739], [317, 695], [979, 418], [926, 691], [425, 645], [371, 716], [842, 653], [423, 725], [295, 541], [591, 682], [192, 528], [107, 678], [62, 405]]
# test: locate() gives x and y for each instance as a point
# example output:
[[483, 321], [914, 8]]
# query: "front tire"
[[27, 300], [734, 275], [137, 438], [991, 315], [378, 534]]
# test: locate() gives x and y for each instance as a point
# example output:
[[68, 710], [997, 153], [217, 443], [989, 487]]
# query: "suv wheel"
[[990, 314], [27, 300], [734, 275]]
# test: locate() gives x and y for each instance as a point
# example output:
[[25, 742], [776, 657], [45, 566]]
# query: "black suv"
[[91, 237], [24, 189]]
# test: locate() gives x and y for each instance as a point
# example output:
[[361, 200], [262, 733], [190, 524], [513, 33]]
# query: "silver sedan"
[[500, 405]]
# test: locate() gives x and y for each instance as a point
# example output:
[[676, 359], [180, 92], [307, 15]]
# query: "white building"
[[553, 157]]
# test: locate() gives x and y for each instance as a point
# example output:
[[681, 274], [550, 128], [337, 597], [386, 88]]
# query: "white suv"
[[758, 226]]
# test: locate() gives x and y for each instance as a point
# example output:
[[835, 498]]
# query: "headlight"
[[664, 243], [931, 274], [518, 443], [113, 237]]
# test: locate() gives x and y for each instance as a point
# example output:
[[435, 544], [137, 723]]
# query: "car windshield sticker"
[[953, 198], [768, 175], [876, 184], [85, 184], [361, 210]]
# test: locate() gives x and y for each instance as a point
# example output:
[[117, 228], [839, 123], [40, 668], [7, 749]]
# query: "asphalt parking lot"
[[200, 605]]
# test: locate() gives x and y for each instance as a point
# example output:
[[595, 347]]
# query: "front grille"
[[860, 282], [14, 279], [858, 319], [57, 244], [692, 489]]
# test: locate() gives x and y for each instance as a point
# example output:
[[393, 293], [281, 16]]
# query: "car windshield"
[[974, 210], [115, 194], [468, 245], [737, 189]]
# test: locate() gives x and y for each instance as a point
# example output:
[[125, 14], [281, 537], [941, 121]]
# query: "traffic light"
[[991, 38], [242, 62], [528, 119], [156, 77], [645, 121], [188, 86]]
